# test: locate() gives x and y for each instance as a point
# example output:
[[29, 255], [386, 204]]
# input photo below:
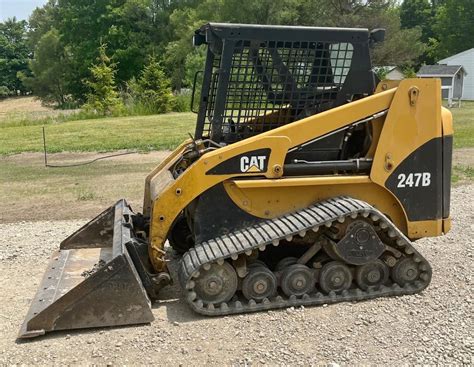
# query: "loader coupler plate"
[[93, 286]]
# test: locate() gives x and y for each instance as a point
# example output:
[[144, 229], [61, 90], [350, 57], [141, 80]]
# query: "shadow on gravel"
[[171, 297], [67, 334]]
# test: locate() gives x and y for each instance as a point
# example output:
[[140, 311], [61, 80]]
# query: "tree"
[[135, 29], [41, 21], [418, 13], [401, 46], [103, 97], [14, 56], [185, 20], [152, 90], [126, 26], [454, 27], [132, 29], [50, 70]]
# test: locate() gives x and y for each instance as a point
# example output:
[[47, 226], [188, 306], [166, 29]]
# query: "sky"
[[21, 9]]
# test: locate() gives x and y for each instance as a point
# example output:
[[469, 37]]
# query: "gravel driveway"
[[433, 327]]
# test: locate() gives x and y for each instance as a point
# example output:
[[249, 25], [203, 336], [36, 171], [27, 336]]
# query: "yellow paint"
[[168, 161], [407, 127], [446, 225], [447, 118], [278, 197], [425, 228], [253, 169], [300, 181], [386, 85]]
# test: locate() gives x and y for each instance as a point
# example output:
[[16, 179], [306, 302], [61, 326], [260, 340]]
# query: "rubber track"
[[270, 232]]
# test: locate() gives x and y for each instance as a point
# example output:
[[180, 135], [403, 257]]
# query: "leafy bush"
[[151, 92], [381, 72], [182, 101], [409, 72], [103, 98], [4, 92]]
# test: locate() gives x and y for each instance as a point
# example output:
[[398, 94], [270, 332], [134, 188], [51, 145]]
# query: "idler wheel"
[[405, 271], [373, 274], [297, 279], [335, 276], [259, 283], [216, 285]]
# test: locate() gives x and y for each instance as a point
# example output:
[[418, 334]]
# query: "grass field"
[[464, 125], [143, 133]]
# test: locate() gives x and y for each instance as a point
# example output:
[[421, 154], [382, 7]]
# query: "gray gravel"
[[434, 327]]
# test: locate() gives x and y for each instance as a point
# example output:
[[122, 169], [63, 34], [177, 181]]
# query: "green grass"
[[463, 120], [462, 173], [143, 133]]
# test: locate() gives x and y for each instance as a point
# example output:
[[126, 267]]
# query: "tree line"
[[127, 52]]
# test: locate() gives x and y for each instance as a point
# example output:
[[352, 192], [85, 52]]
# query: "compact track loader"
[[306, 183]]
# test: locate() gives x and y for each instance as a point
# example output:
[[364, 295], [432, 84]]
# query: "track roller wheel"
[[297, 279], [373, 274], [256, 263], [216, 285], [259, 283], [335, 276], [285, 262], [405, 271]]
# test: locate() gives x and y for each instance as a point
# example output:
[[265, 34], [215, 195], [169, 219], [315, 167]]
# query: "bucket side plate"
[[90, 286]]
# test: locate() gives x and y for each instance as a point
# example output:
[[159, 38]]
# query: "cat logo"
[[252, 164], [254, 161]]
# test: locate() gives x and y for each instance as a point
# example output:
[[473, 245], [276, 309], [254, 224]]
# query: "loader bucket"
[[91, 281]]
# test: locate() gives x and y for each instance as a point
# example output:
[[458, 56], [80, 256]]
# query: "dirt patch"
[[32, 192], [37, 159], [27, 108], [434, 327], [22, 104]]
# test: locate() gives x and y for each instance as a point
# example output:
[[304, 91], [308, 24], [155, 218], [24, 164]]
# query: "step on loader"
[[306, 182]]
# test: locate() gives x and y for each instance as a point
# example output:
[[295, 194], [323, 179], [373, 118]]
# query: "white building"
[[392, 72], [466, 59], [452, 80]]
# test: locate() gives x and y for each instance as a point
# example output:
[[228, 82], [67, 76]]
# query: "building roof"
[[446, 59], [439, 70]]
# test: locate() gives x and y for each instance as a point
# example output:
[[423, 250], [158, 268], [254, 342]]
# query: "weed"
[[462, 173], [85, 195]]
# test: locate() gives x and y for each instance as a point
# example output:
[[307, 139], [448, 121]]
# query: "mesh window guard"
[[256, 85], [273, 83]]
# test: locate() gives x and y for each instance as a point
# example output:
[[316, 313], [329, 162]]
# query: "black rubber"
[[180, 238], [270, 232]]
